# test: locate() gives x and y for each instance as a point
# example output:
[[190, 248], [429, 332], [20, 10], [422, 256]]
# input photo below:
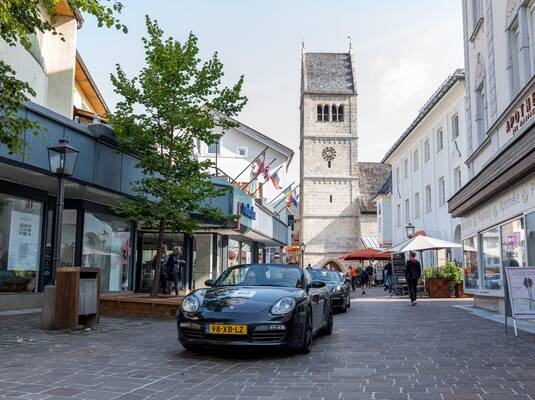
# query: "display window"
[[513, 238], [21, 222], [471, 268], [491, 259]]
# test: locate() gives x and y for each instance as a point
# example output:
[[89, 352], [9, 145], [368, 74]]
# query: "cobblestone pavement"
[[380, 349]]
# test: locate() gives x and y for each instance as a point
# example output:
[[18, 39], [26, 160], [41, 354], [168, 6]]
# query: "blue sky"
[[403, 51]]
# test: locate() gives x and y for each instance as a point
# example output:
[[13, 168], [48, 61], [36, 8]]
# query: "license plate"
[[221, 329]]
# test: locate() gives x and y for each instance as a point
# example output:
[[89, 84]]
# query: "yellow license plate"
[[221, 329]]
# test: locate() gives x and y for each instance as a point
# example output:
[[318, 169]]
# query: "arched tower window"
[[334, 113], [320, 113], [340, 113], [325, 113]]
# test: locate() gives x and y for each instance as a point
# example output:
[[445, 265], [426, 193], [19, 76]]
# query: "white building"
[[235, 153], [496, 205], [427, 168]]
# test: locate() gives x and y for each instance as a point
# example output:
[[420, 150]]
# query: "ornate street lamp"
[[302, 248], [409, 229], [62, 158]]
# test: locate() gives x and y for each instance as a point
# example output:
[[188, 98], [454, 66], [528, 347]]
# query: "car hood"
[[246, 299]]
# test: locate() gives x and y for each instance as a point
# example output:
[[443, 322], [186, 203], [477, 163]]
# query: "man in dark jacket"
[[174, 269], [413, 272]]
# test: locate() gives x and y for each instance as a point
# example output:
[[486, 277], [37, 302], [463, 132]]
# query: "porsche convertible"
[[258, 305]]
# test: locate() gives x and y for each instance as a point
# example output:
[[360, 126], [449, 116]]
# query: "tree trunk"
[[159, 255]]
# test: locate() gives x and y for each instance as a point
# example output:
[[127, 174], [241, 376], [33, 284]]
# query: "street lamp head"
[[409, 229], [62, 158]]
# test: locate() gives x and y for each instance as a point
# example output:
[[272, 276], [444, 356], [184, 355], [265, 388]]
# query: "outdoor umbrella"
[[422, 242], [366, 254]]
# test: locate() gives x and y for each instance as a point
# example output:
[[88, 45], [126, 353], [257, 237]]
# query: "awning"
[[366, 254], [419, 243]]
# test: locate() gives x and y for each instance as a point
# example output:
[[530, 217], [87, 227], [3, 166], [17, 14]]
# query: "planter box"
[[439, 288]]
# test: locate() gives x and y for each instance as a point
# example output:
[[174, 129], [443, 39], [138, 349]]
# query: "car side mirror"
[[209, 282], [317, 284]]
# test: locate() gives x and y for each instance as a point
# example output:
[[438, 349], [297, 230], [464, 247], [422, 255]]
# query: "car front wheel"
[[307, 336]]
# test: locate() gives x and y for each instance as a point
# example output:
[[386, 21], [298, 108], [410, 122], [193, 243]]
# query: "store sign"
[[521, 284], [512, 203], [247, 210], [523, 113]]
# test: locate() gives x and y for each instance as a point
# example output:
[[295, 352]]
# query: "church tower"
[[330, 209]]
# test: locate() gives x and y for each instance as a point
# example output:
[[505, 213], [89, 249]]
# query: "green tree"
[[19, 21], [174, 101]]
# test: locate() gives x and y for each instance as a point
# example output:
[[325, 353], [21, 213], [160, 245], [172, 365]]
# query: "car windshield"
[[324, 275], [262, 275]]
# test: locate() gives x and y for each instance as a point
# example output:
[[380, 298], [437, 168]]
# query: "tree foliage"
[[175, 100], [19, 21]]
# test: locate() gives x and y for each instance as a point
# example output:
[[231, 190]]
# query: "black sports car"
[[257, 305], [337, 284]]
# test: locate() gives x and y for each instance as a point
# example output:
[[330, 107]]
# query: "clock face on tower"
[[328, 154]]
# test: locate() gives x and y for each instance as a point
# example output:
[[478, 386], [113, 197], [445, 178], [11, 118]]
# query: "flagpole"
[[285, 203], [247, 167], [262, 184], [248, 183], [281, 193]]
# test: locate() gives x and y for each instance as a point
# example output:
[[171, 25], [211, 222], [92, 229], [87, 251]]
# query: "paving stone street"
[[380, 349]]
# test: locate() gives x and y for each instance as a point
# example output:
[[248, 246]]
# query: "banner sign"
[[521, 284]]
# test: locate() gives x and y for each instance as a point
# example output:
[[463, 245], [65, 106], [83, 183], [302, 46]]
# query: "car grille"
[[189, 333], [269, 336]]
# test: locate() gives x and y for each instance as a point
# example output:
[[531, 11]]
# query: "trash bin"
[[77, 297]]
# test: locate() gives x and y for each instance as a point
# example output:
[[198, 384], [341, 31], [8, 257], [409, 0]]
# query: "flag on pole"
[[294, 200], [276, 180], [289, 199], [266, 173], [260, 160]]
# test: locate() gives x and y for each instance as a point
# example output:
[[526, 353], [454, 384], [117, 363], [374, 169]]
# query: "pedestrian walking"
[[163, 272], [369, 271], [389, 277], [364, 280], [174, 268], [353, 277], [413, 272]]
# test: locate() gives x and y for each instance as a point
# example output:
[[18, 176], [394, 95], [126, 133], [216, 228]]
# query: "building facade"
[[496, 206], [329, 209], [427, 168]]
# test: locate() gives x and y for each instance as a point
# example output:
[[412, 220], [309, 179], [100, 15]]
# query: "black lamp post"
[[409, 229], [62, 158], [302, 248]]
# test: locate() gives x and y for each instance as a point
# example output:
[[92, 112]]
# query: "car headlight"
[[283, 306], [338, 288], [191, 303]]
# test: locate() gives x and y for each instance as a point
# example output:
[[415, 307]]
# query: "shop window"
[[68, 238], [107, 245], [233, 252], [530, 238], [203, 259], [20, 243], [471, 271], [512, 235], [246, 253], [491, 257]]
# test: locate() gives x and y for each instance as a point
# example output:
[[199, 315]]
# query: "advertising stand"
[[519, 288]]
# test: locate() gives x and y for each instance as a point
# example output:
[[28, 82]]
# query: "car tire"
[[328, 330], [307, 336], [348, 301], [190, 347], [343, 308]]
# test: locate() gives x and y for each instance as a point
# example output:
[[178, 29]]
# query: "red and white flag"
[[260, 164]]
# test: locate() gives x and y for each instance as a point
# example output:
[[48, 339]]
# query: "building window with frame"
[[513, 243], [455, 126], [441, 191], [513, 41], [213, 148], [457, 182], [427, 150], [471, 264], [417, 205], [440, 140], [407, 211], [242, 151], [398, 180], [428, 203], [491, 257], [406, 168], [341, 113], [481, 112], [334, 113], [320, 112], [398, 215], [325, 113], [415, 160]]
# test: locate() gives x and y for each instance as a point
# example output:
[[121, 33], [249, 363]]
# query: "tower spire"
[[350, 44]]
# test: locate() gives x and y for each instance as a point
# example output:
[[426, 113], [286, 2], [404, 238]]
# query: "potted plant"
[[441, 278], [437, 285]]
